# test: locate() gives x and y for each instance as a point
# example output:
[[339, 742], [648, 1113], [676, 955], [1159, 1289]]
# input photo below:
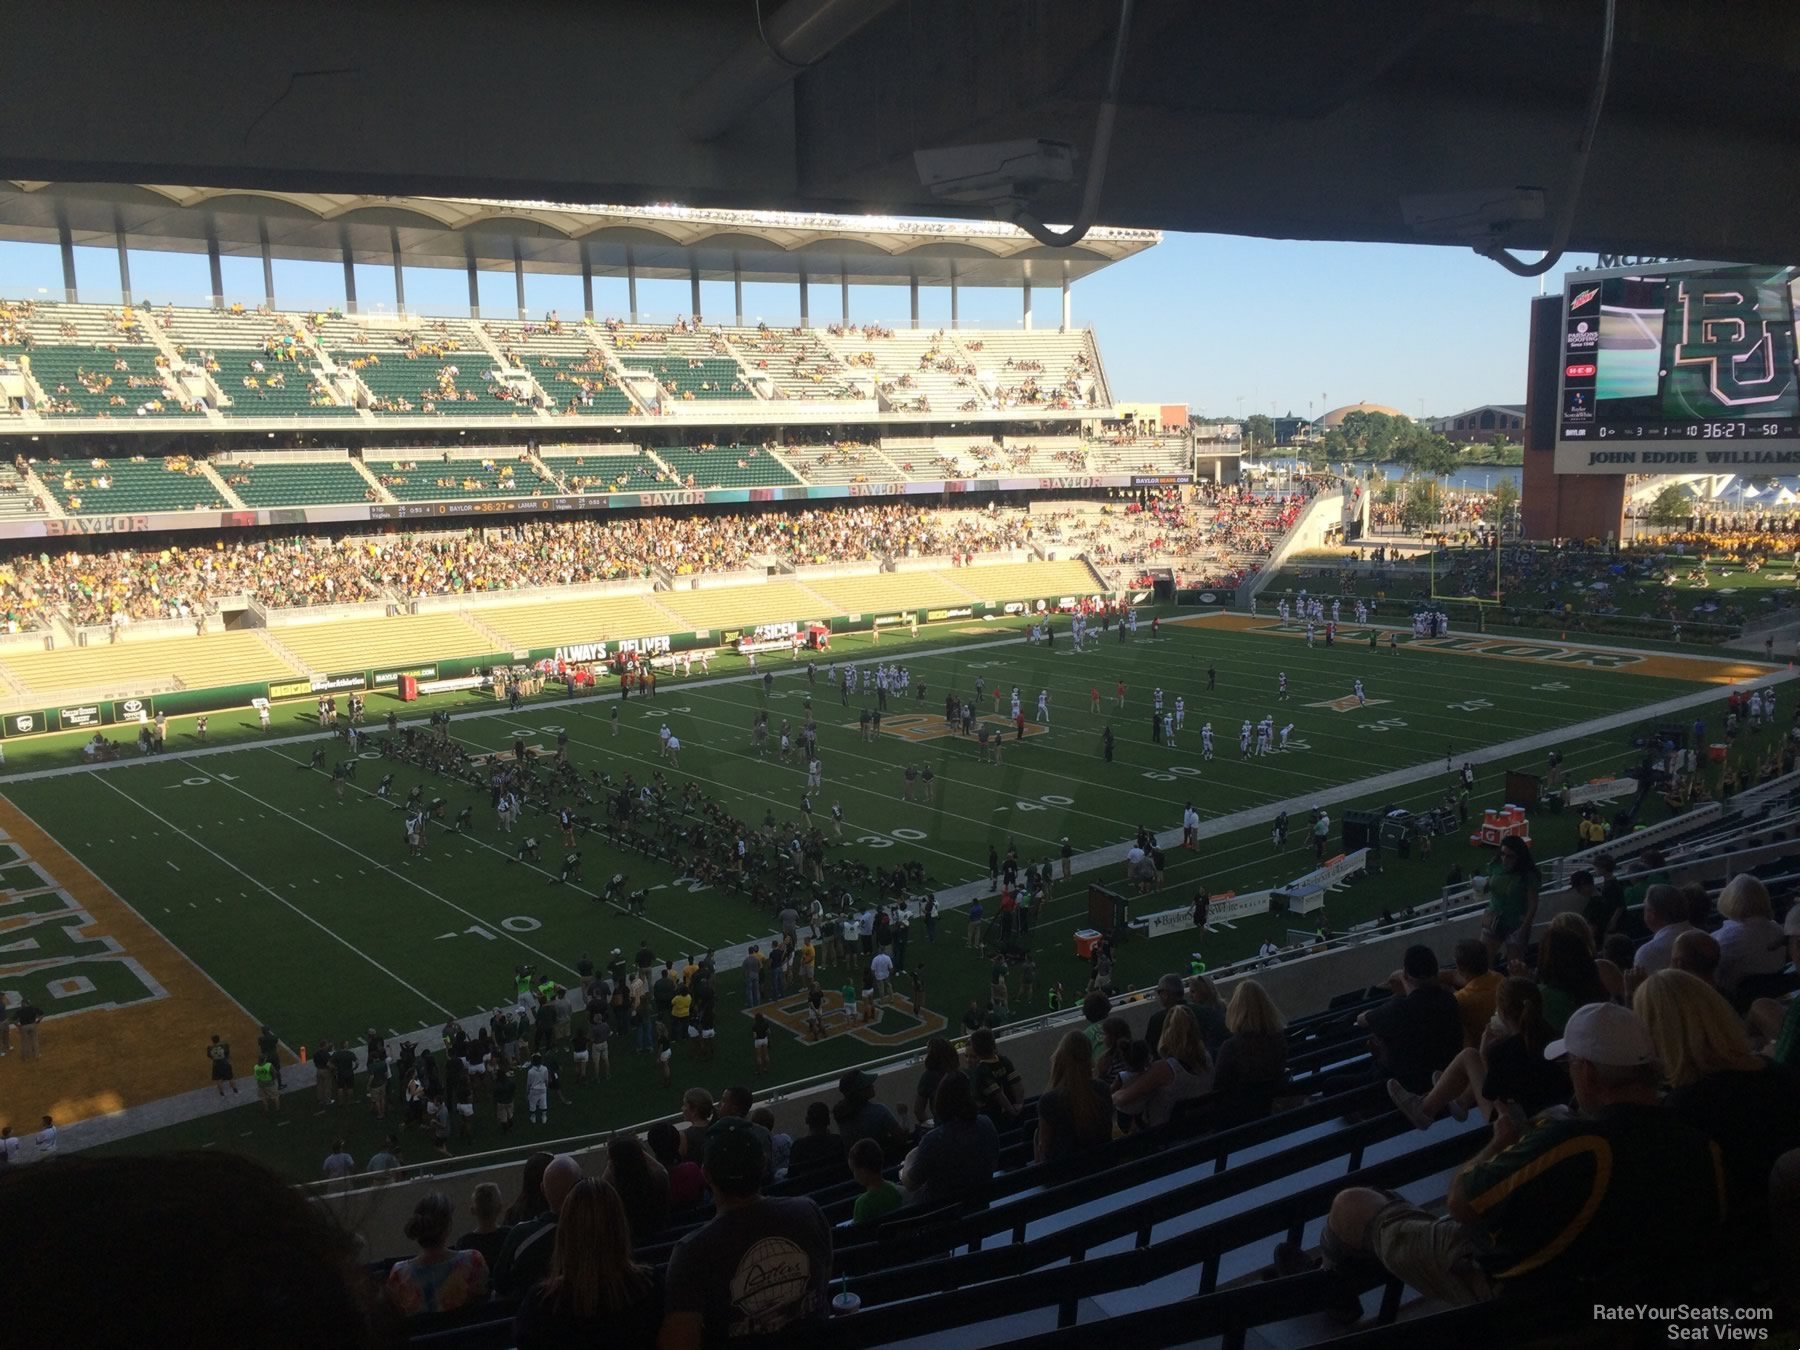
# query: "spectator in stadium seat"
[[525, 1255], [594, 1291], [1666, 915], [1476, 987], [1750, 941], [530, 1199], [686, 1184], [1180, 1070], [762, 1265], [880, 1196], [1599, 908], [487, 1236], [697, 1114], [1075, 1111], [940, 1059], [1169, 994], [1096, 1007], [860, 1116], [1699, 903], [735, 1103], [1568, 974], [1507, 1065], [994, 1080], [160, 1222], [1745, 1104], [1207, 1009], [1778, 1021], [439, 1278], [1557, 1203], [955, 1160], [1419, 1030], [1116, 1039], [819, 1153], [642, 1184], [1251, 1068], [1696, 952]]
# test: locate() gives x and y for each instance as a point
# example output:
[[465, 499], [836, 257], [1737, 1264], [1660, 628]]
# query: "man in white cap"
[[1608, 1190]]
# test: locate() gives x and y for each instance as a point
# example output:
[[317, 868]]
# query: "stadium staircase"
[[842, 463], [558, 359], [211, 475], [454, 475], [77, 347], [1059, 365], [727, 466], [909, 367], [686, 365], [606, 470], [796, 364], [19, 501], [286, 479]]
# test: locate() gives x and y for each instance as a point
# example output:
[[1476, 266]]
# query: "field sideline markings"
[[276, 895], [1183, 859], [498, 710]]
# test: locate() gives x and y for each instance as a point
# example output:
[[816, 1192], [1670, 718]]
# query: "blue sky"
[[1228, 325]]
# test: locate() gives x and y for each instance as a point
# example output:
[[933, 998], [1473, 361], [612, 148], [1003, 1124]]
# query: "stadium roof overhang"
[[763, 246], [1302, 118]]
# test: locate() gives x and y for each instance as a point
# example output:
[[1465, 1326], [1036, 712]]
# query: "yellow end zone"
[[1663, 665], [127, 1016]]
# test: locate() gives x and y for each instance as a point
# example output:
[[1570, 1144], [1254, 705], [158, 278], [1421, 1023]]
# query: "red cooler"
[[409, 688]]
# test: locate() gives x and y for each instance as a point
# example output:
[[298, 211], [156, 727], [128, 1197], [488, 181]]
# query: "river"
[[1481, 477]]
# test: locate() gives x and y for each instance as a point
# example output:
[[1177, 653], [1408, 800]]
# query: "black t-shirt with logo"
[[754, 1270]]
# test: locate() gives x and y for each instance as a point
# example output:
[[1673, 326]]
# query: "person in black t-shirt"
[[819, 1152], [1418, 1031]]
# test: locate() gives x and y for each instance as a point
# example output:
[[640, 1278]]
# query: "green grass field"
[[307, 911]]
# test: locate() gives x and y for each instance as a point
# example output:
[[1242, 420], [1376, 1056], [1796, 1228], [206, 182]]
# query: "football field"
[[217, 888]]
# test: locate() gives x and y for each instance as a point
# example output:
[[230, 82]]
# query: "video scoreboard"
[[1680, 368]]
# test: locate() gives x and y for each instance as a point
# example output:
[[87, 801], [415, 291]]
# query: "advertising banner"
[[83, 715], [1324, 878], [28, 723]]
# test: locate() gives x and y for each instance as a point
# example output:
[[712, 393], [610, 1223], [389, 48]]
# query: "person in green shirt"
[[880, 1196], [266, 1089], [1512, 884]]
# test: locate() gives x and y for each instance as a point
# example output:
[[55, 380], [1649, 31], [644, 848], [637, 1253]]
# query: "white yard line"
[[275, 895], [397, 875], [511, 857]]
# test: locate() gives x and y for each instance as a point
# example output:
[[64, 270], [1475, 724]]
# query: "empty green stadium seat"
[[319, 483], [728, 466], [173, 484]]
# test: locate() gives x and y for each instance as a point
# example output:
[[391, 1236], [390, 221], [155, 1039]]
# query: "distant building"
[[1489, 422], [1153, 419], [1293, 431], [1335, 418]]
